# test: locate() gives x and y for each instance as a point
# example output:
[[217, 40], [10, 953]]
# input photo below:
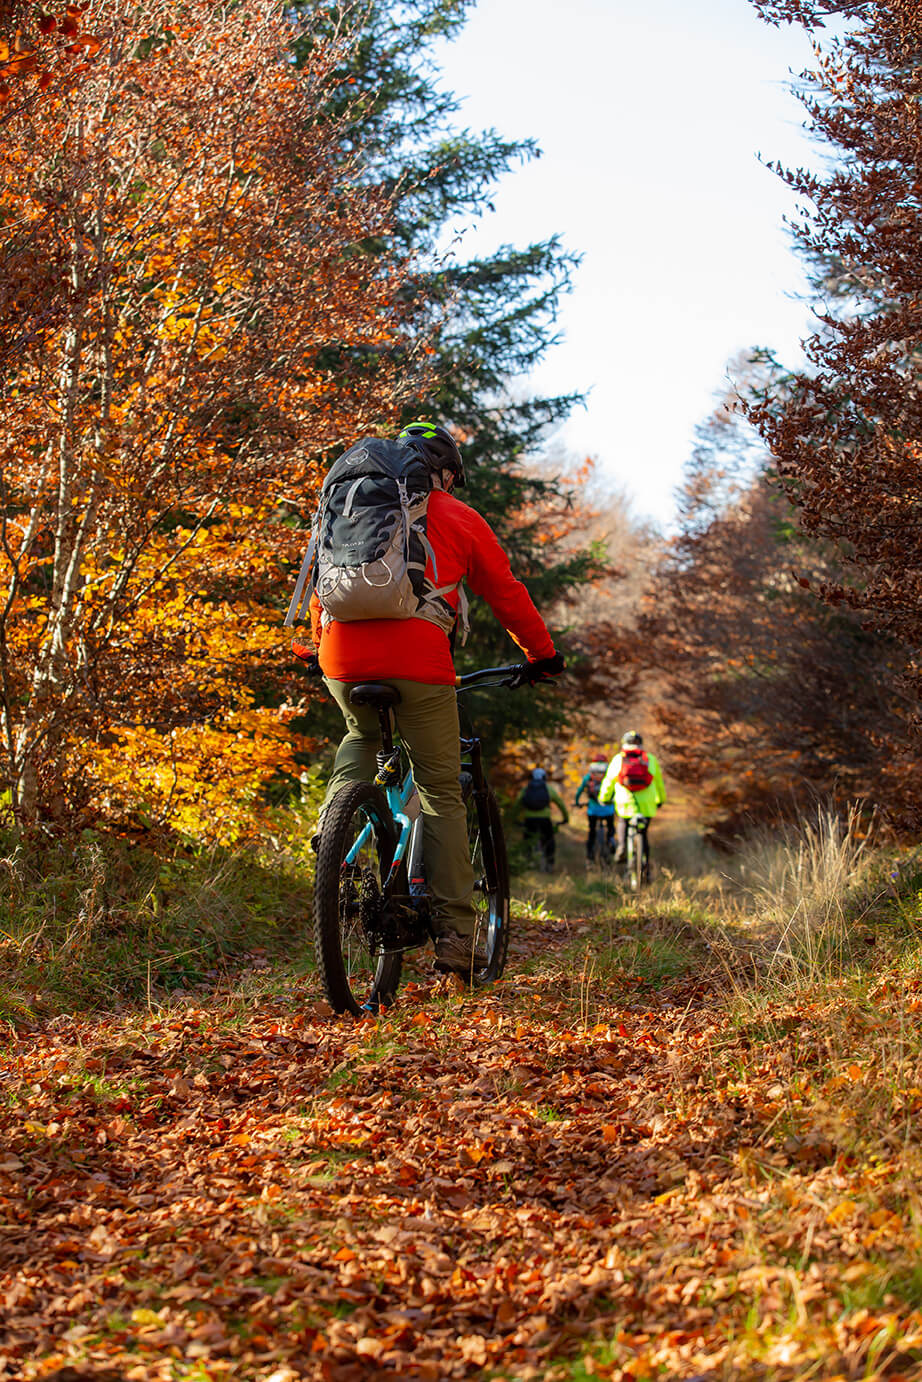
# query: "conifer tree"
[[491, 317]]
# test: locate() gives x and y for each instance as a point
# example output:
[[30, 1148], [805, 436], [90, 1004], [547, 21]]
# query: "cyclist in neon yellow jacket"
[[634, 782]]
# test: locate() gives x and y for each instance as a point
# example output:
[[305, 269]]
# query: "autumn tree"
[[846, 431], [164, 422], [769, 699], [42, 55]]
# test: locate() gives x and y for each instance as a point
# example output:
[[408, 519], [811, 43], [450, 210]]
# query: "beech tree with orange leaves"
[[215, 330], [41, 56], [846, 432]]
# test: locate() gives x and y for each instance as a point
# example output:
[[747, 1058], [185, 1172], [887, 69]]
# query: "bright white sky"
[[650, 114]]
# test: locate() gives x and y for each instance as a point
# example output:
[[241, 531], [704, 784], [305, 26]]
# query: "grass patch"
[[102, 922]]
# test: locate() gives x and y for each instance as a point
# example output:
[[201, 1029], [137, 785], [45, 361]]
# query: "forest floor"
[[651, 1151]]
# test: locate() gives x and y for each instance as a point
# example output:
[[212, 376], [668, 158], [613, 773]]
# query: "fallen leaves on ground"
[[461, 1186]]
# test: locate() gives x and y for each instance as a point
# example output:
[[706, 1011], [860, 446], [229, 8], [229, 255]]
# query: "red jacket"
[[465, 547]]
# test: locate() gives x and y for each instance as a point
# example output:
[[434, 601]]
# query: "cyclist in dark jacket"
[[533, 805]]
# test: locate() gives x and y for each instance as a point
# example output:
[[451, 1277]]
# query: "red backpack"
[[634, 773]]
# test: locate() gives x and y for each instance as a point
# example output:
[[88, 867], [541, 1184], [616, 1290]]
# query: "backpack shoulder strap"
[[303, 586]]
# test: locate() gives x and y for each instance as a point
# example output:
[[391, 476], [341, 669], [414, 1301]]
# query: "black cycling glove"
[[306, 655], [544, 669]]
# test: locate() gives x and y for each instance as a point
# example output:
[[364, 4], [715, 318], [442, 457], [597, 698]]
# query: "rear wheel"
[[645, 860], [601, 851], [638, 858], [491, 880], [356, 848]]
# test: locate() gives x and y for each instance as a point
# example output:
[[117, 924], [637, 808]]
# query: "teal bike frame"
[[403, 805], [409, 823]]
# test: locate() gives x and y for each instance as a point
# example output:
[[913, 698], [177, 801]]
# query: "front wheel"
[[491, 881], [357, 845]]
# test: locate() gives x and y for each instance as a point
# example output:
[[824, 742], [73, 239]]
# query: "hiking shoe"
[[455, 954]]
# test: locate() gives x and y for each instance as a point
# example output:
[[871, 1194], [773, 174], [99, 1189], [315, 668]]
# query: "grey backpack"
[[368, 549]]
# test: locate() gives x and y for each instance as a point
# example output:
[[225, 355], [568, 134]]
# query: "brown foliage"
[[599, 613], [43, 55], [770, 699], [462, 1188], [847, 432]]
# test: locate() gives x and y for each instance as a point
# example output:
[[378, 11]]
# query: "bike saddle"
[[374, 693]]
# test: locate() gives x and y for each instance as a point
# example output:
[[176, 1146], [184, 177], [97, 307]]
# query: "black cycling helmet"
[[632, 740], [437, 446]]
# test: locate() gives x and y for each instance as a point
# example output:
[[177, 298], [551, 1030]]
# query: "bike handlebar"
[[512, 675]]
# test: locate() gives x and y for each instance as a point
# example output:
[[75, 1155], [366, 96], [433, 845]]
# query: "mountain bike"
[[637, 852], [537, 848], [602, 849], [371, 900]]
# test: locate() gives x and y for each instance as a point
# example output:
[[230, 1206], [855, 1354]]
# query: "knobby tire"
[[638, 860], [491, 881], [601, 852], [352, 977]]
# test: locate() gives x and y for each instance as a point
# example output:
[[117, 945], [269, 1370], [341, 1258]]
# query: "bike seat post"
[[383, 697], [387, 733]]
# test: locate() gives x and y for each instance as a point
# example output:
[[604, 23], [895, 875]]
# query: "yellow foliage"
[[144, 655]]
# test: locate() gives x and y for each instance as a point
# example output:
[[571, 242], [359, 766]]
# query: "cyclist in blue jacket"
[[599, 813]]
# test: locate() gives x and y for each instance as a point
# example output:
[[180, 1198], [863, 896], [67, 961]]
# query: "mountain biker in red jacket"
[[415, 656]]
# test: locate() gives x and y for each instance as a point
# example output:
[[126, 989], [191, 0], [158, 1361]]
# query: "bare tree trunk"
[[47, 696]]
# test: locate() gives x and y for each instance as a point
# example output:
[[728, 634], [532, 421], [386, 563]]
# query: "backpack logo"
[[634, 773], [369, 550], [536, 795]]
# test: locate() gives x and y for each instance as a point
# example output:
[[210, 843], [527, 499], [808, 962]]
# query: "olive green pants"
[[427, 722]]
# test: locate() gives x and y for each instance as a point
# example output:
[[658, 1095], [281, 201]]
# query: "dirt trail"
[[459, 1188]]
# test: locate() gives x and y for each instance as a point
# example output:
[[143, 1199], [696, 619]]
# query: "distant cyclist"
[[634, 782], [601, 815], [533, 805]]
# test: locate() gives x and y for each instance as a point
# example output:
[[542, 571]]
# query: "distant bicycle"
[[637, 852], [371, 900], [536, 848], [600, 852]]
